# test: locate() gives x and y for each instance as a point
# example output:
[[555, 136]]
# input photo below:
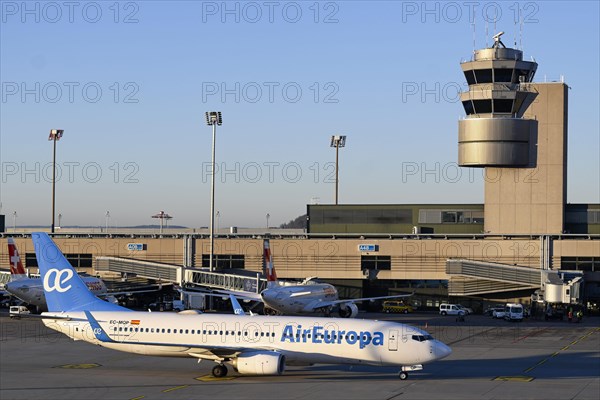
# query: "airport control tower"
[[517, 131]]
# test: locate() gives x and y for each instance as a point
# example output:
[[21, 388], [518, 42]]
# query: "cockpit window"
[[422, 338]]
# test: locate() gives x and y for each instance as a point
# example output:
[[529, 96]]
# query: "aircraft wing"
[[322, 304], [241, 295]]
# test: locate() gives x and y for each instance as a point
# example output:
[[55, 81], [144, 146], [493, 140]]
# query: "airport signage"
[[368, 247], [136, 246]]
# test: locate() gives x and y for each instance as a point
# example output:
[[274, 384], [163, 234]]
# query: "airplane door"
[[393, 340]]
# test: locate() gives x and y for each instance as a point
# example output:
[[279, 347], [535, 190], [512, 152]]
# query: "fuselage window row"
[[203, 332]]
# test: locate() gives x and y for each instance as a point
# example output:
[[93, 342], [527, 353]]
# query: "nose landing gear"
[[403, 374]]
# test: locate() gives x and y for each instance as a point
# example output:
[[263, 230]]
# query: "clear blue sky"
[[129, 82]]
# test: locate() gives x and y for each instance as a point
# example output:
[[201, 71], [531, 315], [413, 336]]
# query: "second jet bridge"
[[470, 277]]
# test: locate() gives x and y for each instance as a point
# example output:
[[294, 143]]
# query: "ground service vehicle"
[[513, 312], [390, 306], [17, 311], [451, 309]]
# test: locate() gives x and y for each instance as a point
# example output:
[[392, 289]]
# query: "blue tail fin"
[[64, 289]]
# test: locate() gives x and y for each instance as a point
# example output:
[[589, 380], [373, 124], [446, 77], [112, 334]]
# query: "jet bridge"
[[470, 277], [243, 281], [178, 274], [146, 269]]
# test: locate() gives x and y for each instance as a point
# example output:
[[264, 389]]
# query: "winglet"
[[237, 308], [97, 329], [63, 287]]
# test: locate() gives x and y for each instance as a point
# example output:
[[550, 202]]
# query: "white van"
[[451, 309], [513, 312], [17, 311]]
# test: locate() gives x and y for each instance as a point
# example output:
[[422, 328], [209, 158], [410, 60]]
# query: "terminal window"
[[224, 261], [590, 264], [76, 260], [451, 216], [377, 263]]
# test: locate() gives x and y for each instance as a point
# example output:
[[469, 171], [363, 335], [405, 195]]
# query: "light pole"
[[218, 221], [163, 216], [337, 141], [14, 221], [55, 135], [59, 218], [268, 215], [213, 118], [107, 215]]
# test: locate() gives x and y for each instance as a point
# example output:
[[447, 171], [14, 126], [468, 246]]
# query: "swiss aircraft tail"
[[64, 289], [269, 268], [17, 271]]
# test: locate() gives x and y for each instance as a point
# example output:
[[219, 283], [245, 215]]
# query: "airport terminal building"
[[524, 239]]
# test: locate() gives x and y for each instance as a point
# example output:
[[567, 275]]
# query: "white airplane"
[[31, 290], [254, 345], [306, 297]]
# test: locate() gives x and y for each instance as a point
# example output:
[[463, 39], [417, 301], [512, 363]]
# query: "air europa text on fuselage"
[[318, 334]]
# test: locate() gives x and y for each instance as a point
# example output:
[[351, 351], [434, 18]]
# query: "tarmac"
[[491, 359]]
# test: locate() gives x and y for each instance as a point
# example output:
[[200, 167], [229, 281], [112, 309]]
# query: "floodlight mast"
[[337, 141], [55, 135], [213, 118]]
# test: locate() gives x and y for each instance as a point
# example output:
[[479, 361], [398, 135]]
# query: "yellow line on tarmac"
[[210, 378], [175, 388], [514, 378], [78, 366], [138, 398], [563, 349]]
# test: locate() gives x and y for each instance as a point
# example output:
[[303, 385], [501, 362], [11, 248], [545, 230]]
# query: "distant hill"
[[110, 227], [298, 223]]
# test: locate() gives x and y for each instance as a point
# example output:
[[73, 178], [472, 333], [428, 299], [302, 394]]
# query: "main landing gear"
[[219, 371], [403, 375]]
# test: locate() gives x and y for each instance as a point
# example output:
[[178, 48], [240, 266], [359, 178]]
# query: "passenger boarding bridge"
[[180, 275]]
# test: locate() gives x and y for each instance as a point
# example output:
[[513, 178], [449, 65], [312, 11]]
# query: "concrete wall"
[[532, 200]]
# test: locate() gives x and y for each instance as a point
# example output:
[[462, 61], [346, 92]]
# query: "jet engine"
[[260, 363], [348, 310]]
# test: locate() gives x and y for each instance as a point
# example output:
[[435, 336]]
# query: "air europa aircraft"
[[253, 345]]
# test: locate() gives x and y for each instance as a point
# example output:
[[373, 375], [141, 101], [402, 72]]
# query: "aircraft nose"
[[440, 350], [11, 287], [266, 295]]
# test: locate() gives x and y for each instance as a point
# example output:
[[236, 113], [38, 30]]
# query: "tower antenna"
[[473, 23], [521, 32], [516, 22]]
